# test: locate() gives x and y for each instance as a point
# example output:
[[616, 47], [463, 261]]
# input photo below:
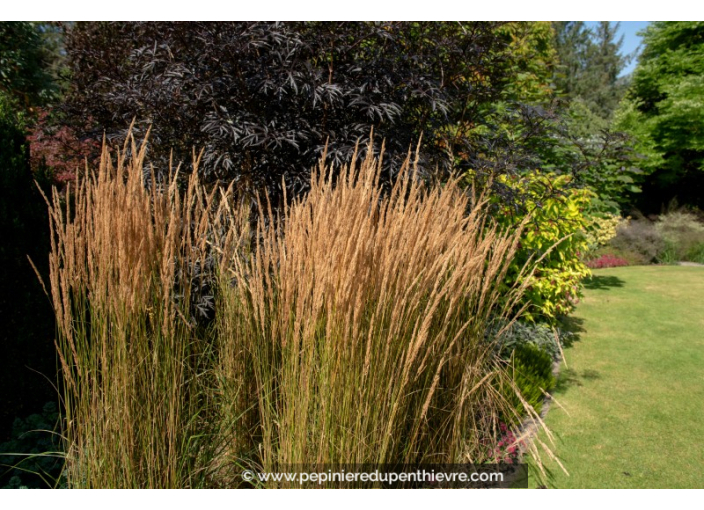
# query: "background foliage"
[[29, 55], [264, 99], [664, 112], [27, 321]]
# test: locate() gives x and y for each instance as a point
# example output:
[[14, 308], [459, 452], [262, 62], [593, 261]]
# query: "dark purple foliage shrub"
[[264, 100]]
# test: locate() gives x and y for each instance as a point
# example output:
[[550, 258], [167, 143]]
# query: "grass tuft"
[[349, 329]]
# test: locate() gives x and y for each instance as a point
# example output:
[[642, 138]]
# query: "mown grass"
[[633, 383]]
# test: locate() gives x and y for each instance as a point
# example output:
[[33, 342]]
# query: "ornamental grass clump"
[[349, 327], [359, 322], [135, 366]]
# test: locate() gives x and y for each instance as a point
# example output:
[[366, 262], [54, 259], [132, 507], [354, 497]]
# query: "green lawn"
[[634, 383]]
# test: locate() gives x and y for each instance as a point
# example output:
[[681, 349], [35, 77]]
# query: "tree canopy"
[[28, 62], [590, 64], [664, 111], [588, 145]]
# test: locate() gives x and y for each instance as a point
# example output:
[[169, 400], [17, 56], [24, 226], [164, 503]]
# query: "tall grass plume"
[[349, 327]]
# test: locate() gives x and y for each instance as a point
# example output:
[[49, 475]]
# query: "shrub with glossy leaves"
[[554, 236]]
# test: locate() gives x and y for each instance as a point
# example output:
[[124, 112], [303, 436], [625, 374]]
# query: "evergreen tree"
[[599, 156], [606, 63], [572, 41], [590, 64]]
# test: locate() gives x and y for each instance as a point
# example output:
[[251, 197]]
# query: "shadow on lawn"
[[573, 327], [570, 377], [602, 282]]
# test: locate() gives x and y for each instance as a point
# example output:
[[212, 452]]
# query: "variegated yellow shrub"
[[554, 235], [601, 229]]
